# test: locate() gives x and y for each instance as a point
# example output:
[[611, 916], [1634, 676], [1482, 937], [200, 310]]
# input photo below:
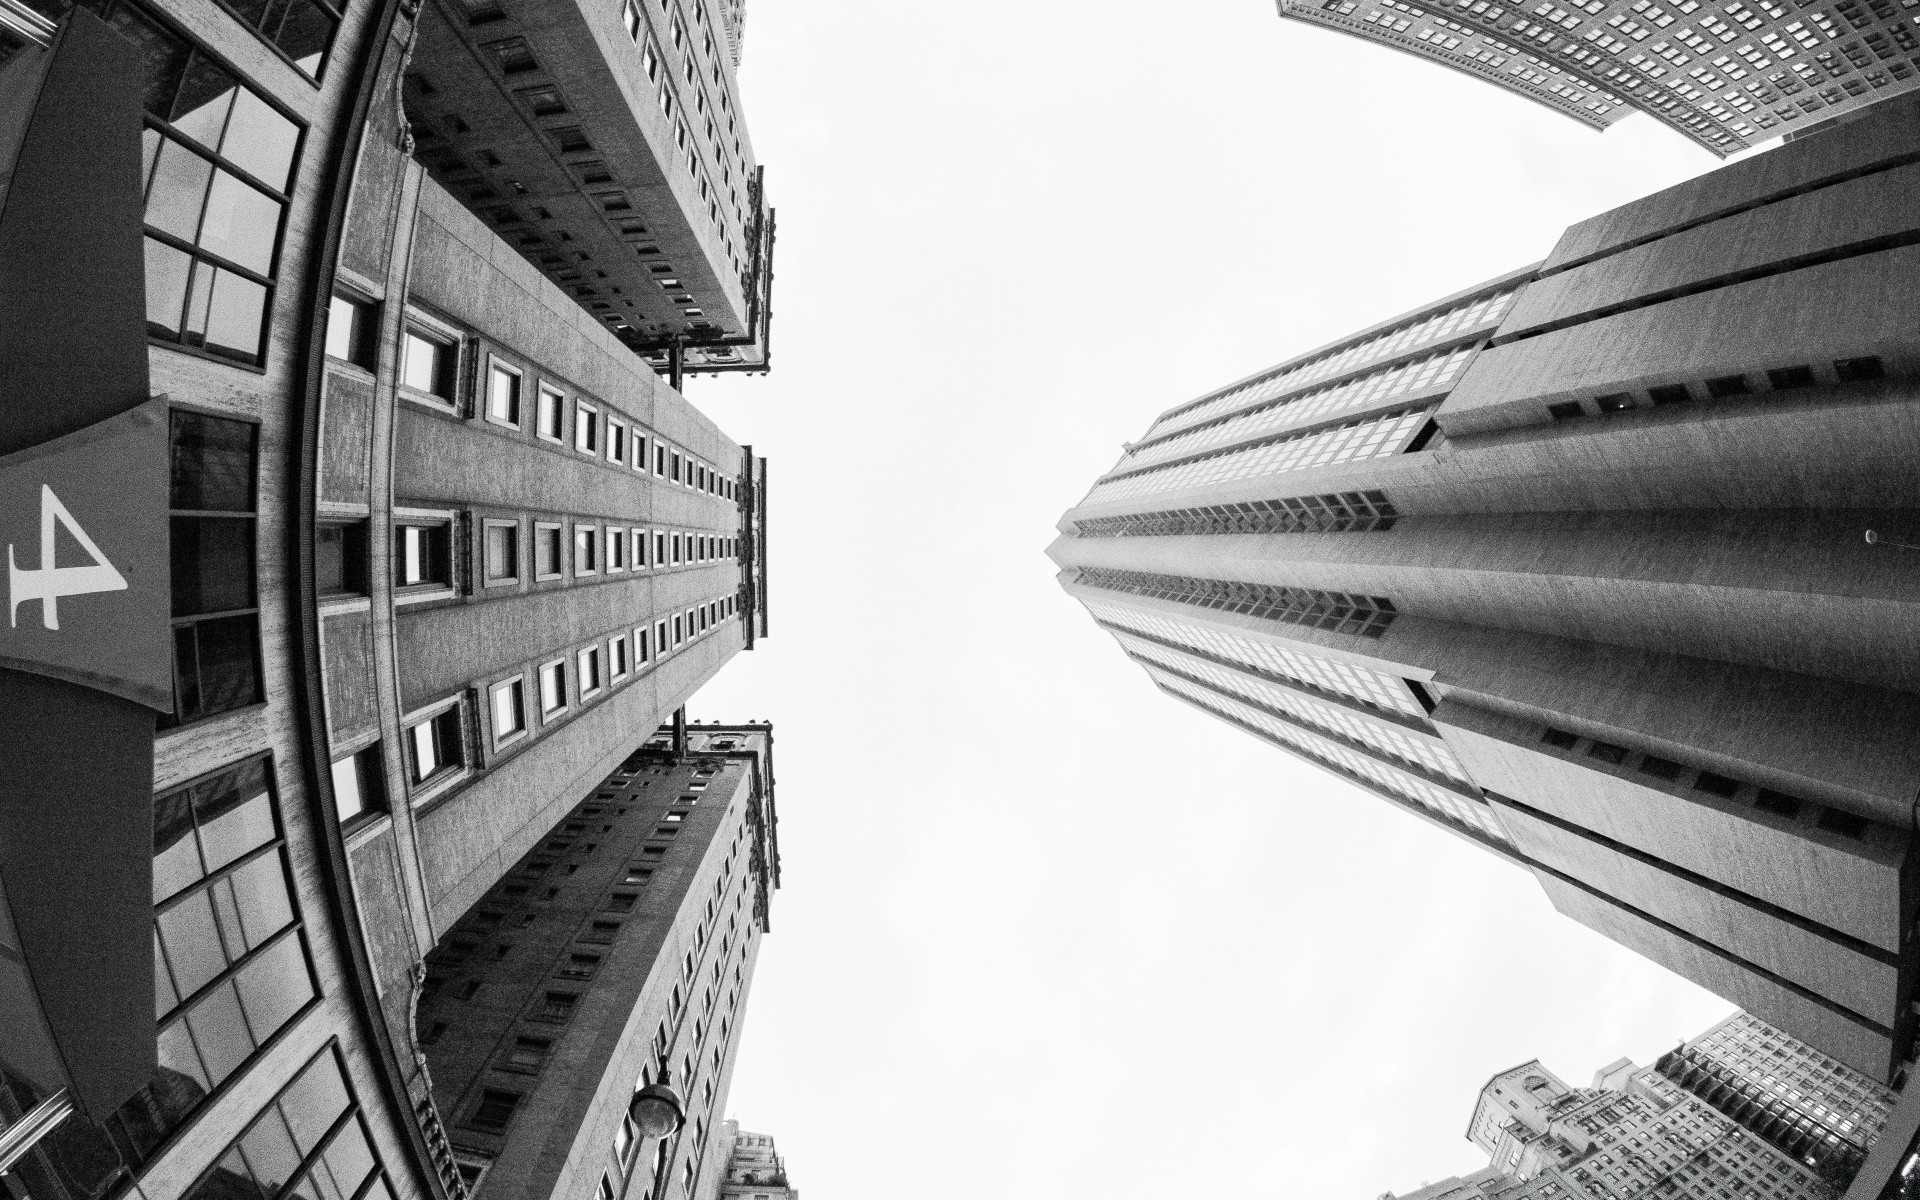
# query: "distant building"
[[1571, 564], [1727, 75], [1819, 1110], [754, 1171]]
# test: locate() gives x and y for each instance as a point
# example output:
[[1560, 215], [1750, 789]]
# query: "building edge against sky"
[[390, 545], [1571, 565], [1727, 74]]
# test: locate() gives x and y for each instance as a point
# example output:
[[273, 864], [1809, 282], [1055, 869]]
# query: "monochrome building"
[[1573, 565], [1820, 1111], [754, 1170], [1728, 74], [352, 544], [1632, 1133]]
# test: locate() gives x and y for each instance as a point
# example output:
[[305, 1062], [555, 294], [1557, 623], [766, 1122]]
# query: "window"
[[580, 966], [601, 932], [618, 657], [528, 1054], [352, 331], [590, 680], [674, 472], [502, 553], [616, 549], [659, 548], [586, 549], [359, 785], [494, 1111], [674, 547], [544, 101], [340, 558], [679, 630], [231, 966], [311, 1138], [216, 656], [660, 637], [503, 394], [423, 555], [513, 56], [616, 441], [435, 745], [642, 652], [547, 551], [586, 428], [659, 460], [427, 364], [640, 452], [218, 165], [639, 549], [553, 687], [509, 704], [552, 420]]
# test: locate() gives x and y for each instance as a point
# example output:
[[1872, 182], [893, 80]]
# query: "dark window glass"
[[213, 463], [436, 745], [422, 555], [495, 1110], [340, 558], [503, 552], [216, 659], [1844, 823], [212, 564], [514, 56]]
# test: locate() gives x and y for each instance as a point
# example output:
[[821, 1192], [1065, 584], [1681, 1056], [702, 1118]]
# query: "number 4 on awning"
[[49, 583]]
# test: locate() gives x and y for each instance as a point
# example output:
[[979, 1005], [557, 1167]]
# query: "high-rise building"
[[753, 1171], [1633, 1133], [351, 546], [616, 954], [1572, 564], [1728, 74], [1822, 1112]]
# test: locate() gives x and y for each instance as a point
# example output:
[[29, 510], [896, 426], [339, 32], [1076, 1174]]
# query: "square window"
[[1727, 385], [590, 680], [586, 549], [340, 558], [427, 364], [502, 554], [509, 710], [1560, 739], [552, 420], [1660, 768], [435, 744], [553, 687], [528, 1054], [359, 785], [1607, 752], [1859, 370], [423, 555], [1715, 785], [548, 551], [1672, 393], [352, 331], [503, 395], [580, 966], [586, 428], [1613, 402], [495, 1110], [1786, 379], [1566, 410]]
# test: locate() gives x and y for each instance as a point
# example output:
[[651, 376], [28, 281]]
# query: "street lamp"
[[656, 1109], [1875, 539]]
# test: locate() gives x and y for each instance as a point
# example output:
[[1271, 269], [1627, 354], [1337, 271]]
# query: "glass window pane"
[[347, 800], [164, 995], [212, 564], [229, 1180], [241, 223], [260, 888], [234, 321], [178, 191], [212, 463], [220, 1032], [150, 140], [229, 834], [269, 1151], [178, 1055], [176, 857], [425, 760], [304, 34], [167, 271], [275, 986], [314, 1102], [422, 369], [206, 93], [261, 141], [199, 300], [350, 1159], [343, 319], [192, 943]]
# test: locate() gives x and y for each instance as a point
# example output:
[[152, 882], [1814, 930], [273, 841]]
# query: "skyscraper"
[[1571, 564], [352, 546], [1820, 1111], [754, 1170], [1727, 74]]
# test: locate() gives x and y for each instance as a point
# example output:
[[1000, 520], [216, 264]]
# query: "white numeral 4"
[[49, 583]]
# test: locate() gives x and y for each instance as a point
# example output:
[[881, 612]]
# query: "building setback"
[[1572, 565], [379, 546], [1728, 74], [754, 1170]]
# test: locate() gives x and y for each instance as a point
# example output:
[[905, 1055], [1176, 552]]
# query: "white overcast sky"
[[1046, 933]]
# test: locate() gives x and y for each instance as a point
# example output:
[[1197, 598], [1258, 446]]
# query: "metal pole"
[[36, 1123]]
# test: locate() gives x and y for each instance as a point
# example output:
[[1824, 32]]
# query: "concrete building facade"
[[1726, 73], [362, 546], [1572, 565], [754, 1169]]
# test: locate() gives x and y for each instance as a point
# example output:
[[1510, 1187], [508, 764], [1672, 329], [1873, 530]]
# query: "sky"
[[1044, 932]]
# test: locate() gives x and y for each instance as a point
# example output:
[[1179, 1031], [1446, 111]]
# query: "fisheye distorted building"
[[357, 542], [1572, 565], [1726, 73]]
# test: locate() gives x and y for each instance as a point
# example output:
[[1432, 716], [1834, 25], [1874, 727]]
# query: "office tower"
[[1817, 1110], [1571, 564], [1632, 1133], [615, 954], [753, 1171], [1728, 74], [349, 550]]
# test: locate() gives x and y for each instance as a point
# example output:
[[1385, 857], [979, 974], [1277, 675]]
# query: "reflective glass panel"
[[167, 271], [232, 830], [192, 942], [261, 890], [314, 1102], [178, 191], [220, 1032], [241, 224], [206, 94], [269, 1151], [260, 141], [235, 319], [275, 986]]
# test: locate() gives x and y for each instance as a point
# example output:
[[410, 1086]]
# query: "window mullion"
[[233, 968]]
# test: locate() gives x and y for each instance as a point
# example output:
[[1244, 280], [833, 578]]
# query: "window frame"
[[616, 433], [499, 737], [549, 715], [642, 655], [191, 621], [586, 564], [487, 525], [586, 428], [559, 530], [619, 658], [498, 367], [585, 656], [423, 786], [430, 519], [363, 338], [417, 325], [612, 536], [369, 769], [637, 557], [547, 392]]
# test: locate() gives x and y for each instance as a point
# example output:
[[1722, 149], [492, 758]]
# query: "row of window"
[[1330, 512], [1338, 612], [1722, 387], [430, 357], [438, 744]]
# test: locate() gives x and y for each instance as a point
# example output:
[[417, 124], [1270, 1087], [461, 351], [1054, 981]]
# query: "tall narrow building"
[[353, 543], [1728, 74], [1572, 564]]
